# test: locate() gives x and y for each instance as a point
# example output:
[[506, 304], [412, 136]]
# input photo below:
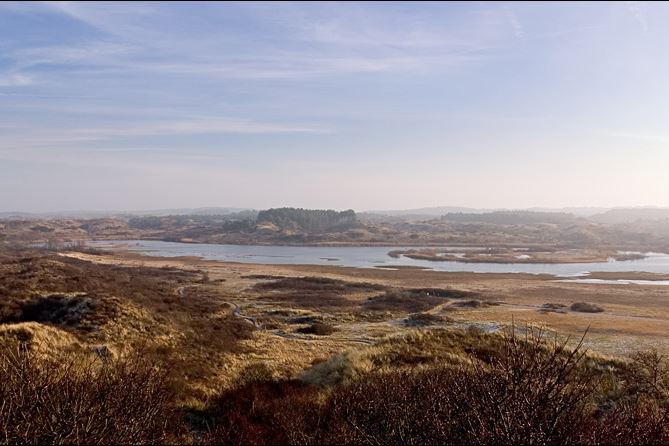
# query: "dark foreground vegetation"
[[92, 402], [506, 389]]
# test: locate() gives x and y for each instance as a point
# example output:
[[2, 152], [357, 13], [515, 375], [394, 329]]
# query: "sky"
[[130, 106]]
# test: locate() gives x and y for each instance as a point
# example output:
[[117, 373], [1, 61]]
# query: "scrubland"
[[120, 348]]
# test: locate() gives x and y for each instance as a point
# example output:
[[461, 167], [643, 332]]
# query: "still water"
[[370, 257]]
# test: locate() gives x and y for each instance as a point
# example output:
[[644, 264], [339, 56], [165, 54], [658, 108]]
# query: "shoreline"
[[384, 270], [563, 258]]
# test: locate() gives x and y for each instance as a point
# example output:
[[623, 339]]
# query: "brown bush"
[[317, 328], [553, 308], [317, 284], [441, 292], [424, 319], [648, 375], [527, 392], [266, 412], [585, 307], [517, 390], [403, 300], [314, 292], [471, 303], [124, 401]]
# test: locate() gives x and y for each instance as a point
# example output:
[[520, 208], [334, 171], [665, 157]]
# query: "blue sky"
[[328, 105]]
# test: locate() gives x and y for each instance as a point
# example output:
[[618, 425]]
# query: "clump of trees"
[[309, 220]]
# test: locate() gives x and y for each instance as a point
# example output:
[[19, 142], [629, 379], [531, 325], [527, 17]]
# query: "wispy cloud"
[[90, 53], [114, 18], [637, 9], [193, 127], [517, 27], [78, 136], [325, 41], [15, 80]]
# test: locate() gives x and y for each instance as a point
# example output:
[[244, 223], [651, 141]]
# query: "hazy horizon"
[[576, 210], [142, 106]]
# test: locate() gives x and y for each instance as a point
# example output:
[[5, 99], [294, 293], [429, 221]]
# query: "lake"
[[370, 257]]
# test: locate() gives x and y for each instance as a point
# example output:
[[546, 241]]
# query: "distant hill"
[[17, 216], [580, 211], [583, 211], [631, 215], [116, 213], [512, 217], [431, 211], [188, 211]]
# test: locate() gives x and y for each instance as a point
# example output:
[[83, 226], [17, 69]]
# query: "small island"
[[514, 255]]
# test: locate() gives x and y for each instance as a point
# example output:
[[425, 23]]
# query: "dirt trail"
[[236, 311]]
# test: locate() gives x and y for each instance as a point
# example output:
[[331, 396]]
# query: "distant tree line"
[[304, 220], [148, 222], [309, 220]]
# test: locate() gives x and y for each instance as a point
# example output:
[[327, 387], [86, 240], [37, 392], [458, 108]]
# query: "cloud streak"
[[638, 12], [15, 80], [338, 41], [21, 139]]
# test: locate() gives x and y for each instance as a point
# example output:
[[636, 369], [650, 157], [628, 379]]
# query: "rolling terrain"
[[289, 226]]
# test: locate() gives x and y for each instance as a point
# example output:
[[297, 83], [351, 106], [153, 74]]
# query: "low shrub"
[[318, 328], [584, 307], [528, 392], [424, 319], [125, 401], [403, 300]]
